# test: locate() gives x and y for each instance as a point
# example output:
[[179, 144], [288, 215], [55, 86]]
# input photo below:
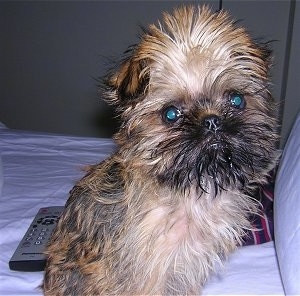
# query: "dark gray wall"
[[291, 89], [51, 51]]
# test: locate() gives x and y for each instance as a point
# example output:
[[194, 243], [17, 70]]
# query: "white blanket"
[[40, 169]]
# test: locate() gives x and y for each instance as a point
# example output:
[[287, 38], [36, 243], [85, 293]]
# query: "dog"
[[198, 135]]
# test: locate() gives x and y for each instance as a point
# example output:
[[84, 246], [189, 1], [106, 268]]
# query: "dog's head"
[[194, 102]]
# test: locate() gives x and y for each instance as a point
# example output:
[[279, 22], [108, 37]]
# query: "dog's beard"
[[231, 157]]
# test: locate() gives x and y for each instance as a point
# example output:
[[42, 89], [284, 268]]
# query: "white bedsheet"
[[39, 170]]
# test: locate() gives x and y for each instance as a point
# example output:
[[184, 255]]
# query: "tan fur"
[[145, 221]]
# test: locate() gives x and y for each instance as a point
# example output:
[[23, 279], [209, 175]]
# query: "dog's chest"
[[193, 223]]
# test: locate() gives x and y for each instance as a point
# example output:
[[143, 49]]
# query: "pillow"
[[2, 125], [287, 213]]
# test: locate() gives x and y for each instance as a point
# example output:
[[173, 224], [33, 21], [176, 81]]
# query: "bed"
[[38, 170]]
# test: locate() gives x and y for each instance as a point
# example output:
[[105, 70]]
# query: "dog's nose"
[[212, 122]]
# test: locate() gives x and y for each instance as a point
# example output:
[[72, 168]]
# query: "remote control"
[[29, 254]]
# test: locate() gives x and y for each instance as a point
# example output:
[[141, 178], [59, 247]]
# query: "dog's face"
[[194, 102]]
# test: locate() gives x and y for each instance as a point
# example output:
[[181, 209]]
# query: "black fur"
[[229, 157]]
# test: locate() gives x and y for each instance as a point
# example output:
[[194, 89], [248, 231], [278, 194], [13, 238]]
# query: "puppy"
[[198, 135]]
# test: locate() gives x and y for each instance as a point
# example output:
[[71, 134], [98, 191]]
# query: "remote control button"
[[48, 222], [26, 244]]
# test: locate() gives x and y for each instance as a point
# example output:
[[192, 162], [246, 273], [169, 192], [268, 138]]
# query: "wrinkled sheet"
[[40, 169]]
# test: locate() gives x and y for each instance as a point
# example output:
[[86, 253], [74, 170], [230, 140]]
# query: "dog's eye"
[[171, 114], [237, 100]]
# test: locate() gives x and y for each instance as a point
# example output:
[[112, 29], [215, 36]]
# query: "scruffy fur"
[[197, 137]]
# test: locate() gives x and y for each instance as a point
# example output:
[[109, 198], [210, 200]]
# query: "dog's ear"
[[129, 83]]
